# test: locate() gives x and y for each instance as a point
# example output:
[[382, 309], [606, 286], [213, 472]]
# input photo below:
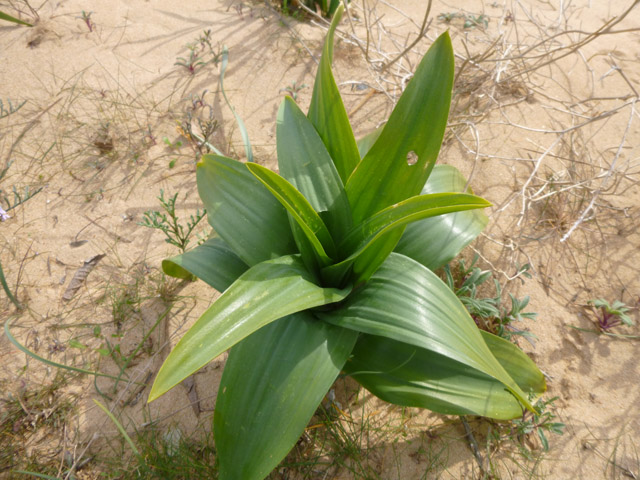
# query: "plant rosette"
[[327, 268]]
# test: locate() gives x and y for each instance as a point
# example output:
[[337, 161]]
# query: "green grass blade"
[[46, 361], [9, 18], [407, 302], [304, 162], [398, 164], [37, 475], [213, 262], [243, 130], [242, 211], [436, 241], [300, 209], [415, 377], [7, 290], [272, 384], [327, 112], [264, 293], [120, 428]]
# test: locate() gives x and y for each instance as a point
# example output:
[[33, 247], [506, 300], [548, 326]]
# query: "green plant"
[[207, 126], [541, 422], [172, 145], [201, 53], [12, 108], [470, 20], [610, 315], [488, 312], [86, 18], [174, 231], [9, 18], [326, 7], [315, 279], [293, 89]]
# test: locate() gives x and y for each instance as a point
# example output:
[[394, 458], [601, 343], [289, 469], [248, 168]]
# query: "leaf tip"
[[153, 394]]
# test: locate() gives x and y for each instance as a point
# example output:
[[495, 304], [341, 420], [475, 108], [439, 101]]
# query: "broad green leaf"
[[366, 142], [517, 364], [9, 18], [398, 164], [300, 209], [374, 254], [264, 293], [405, 212], [436, 241], [242, 211], [213, 262], [272, 384], [407, 302], [374, 238], [306, 164], [327, 112], [415, 377]]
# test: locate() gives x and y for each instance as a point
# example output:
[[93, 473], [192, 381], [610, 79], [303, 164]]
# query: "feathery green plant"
[[327, 268]]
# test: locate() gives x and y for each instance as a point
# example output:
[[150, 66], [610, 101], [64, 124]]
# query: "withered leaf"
[[80, 276]]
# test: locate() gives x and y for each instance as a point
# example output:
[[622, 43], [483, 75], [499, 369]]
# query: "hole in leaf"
[[412, 158]]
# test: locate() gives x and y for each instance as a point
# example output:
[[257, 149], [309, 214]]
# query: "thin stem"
[[7, 290]]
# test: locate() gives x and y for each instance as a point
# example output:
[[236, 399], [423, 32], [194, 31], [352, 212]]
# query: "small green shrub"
[[489, 313]]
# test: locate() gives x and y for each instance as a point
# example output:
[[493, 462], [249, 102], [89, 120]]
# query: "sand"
[[547, 131]]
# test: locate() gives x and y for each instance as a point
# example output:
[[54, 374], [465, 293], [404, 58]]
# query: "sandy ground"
[[544, 122]]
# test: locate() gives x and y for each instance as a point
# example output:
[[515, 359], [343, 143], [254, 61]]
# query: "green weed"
[[168, 222], [201, 53], [610, 315], [489, 313]]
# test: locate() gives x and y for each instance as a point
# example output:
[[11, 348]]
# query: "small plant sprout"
[[447, 17], [541, 422], [320, 272], [172, 145], [12, 108], [476, 21], [609, 315], [198, 53], [470, 20], [206, 127], [193, 62], [293, 89], [198, 101], [176, 234], [149, 138], [86, 18]]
